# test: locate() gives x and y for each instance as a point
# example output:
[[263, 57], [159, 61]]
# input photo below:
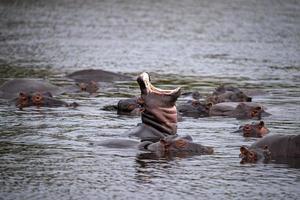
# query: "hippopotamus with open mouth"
[[272, 147], [243, 110], [158, 130], [159, 113], [39, 99], [257, 130]]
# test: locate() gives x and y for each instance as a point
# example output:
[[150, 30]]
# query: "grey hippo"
[[39, 99], [228, 94], [272, 147], [243, 110], [12, 88]]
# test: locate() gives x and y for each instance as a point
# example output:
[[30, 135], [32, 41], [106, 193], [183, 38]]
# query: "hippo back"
[[11, 89], [280, 145]]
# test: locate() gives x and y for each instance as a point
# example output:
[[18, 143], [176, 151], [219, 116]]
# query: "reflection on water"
[[46, 153]]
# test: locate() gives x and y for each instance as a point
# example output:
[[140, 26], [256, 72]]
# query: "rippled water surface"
[[47, 153]]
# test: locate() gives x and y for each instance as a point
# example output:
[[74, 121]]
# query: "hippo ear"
[[209, 104]]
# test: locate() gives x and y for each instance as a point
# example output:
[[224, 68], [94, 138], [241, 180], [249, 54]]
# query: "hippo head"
[[240, 97], [24, 100], [255, 130], [174, 144], [250, 111], [128, 106], [254, 155], [158, 106], [194, 108], [90, 87]]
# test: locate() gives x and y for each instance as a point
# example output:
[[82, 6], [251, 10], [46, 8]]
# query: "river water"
[[46, 153]]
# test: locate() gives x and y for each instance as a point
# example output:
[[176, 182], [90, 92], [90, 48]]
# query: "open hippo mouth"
[[159, 110]]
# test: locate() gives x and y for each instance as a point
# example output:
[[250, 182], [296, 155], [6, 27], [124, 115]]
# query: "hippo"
[[243, 110], [170, 145], [195, 95], [97, 75], [90, 87], [257, 130], [194, 108], [272, 147], [40, 100], [11, 88], [173, 145], [228, 94], [129, 106], [158, 111]]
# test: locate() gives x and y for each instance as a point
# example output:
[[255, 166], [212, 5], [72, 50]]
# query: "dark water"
[[46, 153]]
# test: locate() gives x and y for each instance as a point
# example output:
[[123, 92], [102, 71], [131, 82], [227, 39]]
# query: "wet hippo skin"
[[254, 130], [227, 94], [90, 87], [159, 113], [40, 100], [244, 110], [97, 75], [11, 89], [129, 106], [272, 147], [175, 144], [194, 108]]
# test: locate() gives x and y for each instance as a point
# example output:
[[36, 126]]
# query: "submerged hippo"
[[257, 130], [90, 87], [194, 108], [174, 145], [159, 113], [40, 100], [228, 94], [97, 75], [11, 89], [273, 147], [129, 106], [170, 145], [244, 110]]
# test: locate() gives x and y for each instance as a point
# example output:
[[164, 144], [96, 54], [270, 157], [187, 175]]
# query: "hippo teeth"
[[150, 88]]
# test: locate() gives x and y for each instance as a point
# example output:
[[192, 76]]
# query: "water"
[[46, 153]]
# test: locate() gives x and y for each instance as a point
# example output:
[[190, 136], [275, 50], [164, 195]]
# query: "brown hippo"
[[194, 108], [129, 106], [11, 89], [174, 145], [228, 94], [90, 87], [40, 100], [257, 130], [244, 110], [273, 147], [97, 75], [159, 113], [170, 145]]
